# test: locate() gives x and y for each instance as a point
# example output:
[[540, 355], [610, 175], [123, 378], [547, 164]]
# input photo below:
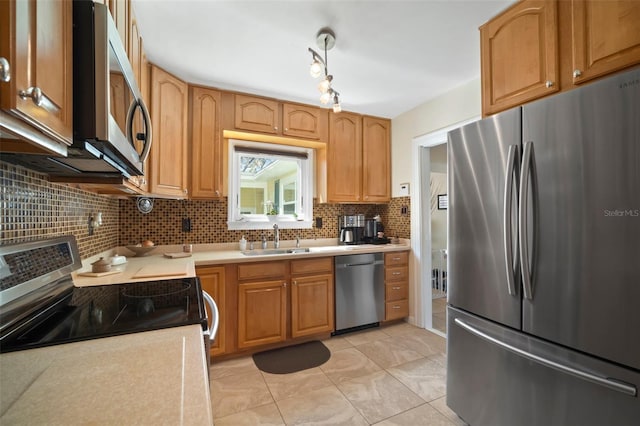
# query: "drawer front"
[[248, 271], [400, 273], [396, 258], [396, 291], [397, 309], [312, 266]]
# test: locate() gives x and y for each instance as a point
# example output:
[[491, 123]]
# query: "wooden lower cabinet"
[[396, 284], [269, 313], [312, 296], [213, 282], [262, 313]]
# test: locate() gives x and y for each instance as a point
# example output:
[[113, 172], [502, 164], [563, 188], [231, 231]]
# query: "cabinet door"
[[212, 281], [262, 313], [169, 149], [344, 163], [206, 146], [256, 114], [37, 38], [606, 37], [301, 121], [519, 55], [376, 159], [311, 305]]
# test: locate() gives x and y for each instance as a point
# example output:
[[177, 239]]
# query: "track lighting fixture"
[[325, 40]]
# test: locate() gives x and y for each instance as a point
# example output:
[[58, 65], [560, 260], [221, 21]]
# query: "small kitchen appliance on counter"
[[41, 307], [351, 229], [374, 231]]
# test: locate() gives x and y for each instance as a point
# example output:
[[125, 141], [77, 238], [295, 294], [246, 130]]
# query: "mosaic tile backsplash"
[[34, 208], [163, 225]]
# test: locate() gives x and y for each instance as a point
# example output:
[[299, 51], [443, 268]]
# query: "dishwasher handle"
[[345, 265]]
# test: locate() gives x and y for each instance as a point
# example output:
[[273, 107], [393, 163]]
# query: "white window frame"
[[304, 198]]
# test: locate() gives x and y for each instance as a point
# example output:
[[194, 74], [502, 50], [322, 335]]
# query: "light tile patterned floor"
[[393, 375]]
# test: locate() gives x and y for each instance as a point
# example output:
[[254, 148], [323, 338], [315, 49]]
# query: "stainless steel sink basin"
[[265, 252]]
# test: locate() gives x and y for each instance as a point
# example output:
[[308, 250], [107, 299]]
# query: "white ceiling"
[[390, 56]]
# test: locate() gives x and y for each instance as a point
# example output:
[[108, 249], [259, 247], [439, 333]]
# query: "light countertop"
[[156, 377], [213, 254]]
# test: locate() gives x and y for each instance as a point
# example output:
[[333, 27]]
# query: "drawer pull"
[[395, 258], [396, 288], [395, 273], [396, 307]]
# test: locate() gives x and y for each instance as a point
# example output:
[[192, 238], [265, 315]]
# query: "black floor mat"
[[292, 358]]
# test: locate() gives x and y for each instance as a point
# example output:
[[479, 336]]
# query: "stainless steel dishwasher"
[[359, 291]]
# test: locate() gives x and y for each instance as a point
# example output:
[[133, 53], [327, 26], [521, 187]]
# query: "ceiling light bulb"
[[325, 98], [337, 107], [325, 85], [316, 69]]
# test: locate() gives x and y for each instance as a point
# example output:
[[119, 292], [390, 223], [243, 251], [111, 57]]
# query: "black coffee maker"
[[374, 231]]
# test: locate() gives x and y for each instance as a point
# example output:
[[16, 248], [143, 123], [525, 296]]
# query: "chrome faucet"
[[297, 241], [264, 242], [276, 236]]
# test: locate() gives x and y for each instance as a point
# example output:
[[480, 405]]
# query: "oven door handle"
[[215, 315]]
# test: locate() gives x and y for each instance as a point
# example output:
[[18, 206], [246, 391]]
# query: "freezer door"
[[498, 376], [482, 278], [585, 230]]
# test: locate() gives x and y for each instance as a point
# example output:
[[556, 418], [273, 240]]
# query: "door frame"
[[421, 221]]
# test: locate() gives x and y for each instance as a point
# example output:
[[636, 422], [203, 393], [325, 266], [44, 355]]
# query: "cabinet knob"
[[186, 191], [217, 193], [286, 129], [577, 73], [35, 93], [295, 282], [284, 284], [549, 83], [5, 70], [275, 128]]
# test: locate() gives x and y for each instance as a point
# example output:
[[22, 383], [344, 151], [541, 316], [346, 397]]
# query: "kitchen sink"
[[264, 252]]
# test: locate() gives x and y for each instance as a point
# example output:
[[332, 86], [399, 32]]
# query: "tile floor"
[[393, 375], [439, 312]]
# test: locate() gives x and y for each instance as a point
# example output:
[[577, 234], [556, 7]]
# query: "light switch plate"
[[404, 189]]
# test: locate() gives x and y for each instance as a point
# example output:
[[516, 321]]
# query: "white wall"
[[459, 104]]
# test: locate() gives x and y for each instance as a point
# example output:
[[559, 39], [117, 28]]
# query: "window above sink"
[[269, 184]]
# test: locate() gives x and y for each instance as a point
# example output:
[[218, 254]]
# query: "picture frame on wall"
[[443, 202]]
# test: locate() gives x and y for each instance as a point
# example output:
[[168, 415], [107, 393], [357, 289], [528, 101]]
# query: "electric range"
[[41, 307]]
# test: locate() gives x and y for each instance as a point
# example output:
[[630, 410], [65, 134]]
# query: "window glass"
[[268, 185]]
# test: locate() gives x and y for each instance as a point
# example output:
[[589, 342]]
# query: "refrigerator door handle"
[[508, 236], [584, 375], [525, 268]]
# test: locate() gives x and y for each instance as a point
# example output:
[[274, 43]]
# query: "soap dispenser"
[[243, 244]]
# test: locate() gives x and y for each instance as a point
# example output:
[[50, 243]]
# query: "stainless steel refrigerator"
[[544, 261]]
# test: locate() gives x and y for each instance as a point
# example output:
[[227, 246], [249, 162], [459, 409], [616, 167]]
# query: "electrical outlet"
[[318, 222], [404, 210], [186, 225]]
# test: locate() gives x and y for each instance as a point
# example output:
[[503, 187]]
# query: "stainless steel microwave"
[[111, 120]]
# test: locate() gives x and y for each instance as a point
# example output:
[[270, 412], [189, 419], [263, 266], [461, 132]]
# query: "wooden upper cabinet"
[[606, 37], [376, 159], [344, 162], [256, 114], [519, 55], [302, 121], [169, 117], [206, 145], [37, 42]]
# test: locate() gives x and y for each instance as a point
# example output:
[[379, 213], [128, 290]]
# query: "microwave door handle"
[[149, 136], [147, 126], [215, 315]]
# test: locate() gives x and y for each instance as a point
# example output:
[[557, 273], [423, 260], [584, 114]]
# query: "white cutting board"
[[163, 270]]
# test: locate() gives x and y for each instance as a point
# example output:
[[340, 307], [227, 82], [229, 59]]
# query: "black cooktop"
[[102, 311]]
